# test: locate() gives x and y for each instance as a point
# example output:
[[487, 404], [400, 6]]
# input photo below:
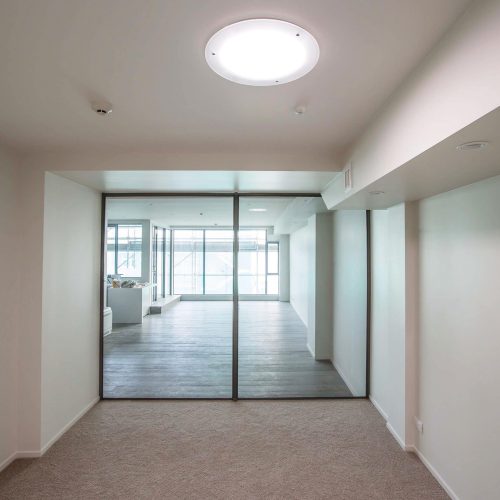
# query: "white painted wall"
[[284, 267], [388, 316], [320, 286], [299, 272], [70, 320], [456, 84], [349, 297], [9, 302], [311, 283], [460, 337]]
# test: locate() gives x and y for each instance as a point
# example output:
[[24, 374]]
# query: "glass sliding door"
[[285, 280], [193, 322], [171, 338]]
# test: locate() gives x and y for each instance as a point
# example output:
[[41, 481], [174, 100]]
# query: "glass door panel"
[[180, 346], [285, 272]]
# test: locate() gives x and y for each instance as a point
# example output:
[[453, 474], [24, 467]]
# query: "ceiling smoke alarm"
[[102, 108]]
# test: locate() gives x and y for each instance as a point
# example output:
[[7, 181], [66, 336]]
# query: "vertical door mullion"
[[236, 228]]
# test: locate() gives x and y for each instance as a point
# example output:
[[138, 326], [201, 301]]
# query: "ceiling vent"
[[348, 178]]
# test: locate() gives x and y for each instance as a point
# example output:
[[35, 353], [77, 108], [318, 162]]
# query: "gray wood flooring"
[[186, 352]]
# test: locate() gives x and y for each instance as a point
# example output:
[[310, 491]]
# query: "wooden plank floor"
[[186, 352]]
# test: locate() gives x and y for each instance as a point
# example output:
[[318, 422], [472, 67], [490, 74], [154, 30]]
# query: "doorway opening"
[[216, 296]]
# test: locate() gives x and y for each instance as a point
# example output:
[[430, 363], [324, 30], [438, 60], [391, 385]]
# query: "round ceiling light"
[[262, 52], [257, 209]]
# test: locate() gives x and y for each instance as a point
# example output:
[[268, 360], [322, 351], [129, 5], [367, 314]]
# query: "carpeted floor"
[[222, 449]]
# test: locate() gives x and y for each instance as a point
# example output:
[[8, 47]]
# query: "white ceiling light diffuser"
[[262, 52]]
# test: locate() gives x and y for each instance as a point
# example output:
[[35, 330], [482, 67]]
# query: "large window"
[[203, 262], [160, 262], [273, 268], [252, 261], [258, 263], [188, 261], [124, 256], [218, 262]]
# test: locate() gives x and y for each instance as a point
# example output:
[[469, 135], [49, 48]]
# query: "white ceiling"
[[202, 181], [291, 213], [147, 58], [439, 169]]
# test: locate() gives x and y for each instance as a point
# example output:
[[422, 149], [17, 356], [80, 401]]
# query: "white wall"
[[388, 316], [349, 297], [299, 272], [320, 286], [284, 267], [9, 301], [456, 84], [460, 337], [70, 320]]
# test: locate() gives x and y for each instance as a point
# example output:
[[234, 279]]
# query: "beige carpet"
[[216, 449]]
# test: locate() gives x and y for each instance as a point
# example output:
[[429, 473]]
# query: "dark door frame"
[[235, 326]]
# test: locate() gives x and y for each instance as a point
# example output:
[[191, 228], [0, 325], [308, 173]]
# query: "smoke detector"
[[102, 108], [299, 110], [469, 146]]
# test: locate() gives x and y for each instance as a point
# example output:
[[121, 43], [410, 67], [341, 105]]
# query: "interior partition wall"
[[243, 341]]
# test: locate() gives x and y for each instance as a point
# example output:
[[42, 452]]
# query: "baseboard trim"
[[38, 454], [8, 461], [310, 350], [379, 408], [396, 436], [344, 378], [414, 449], [19, 454], [28, 454], [446, 487], [68, 426]]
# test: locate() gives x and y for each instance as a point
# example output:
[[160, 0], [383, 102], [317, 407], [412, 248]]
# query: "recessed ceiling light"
[[468, 146], [262, 52], [376, 193], [257, 209]]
